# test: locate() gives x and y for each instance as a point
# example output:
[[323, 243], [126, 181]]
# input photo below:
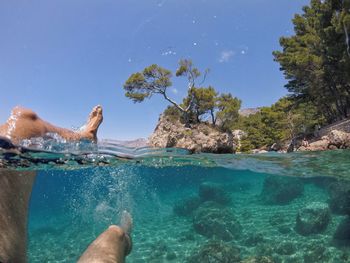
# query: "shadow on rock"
[[342, 234], [279, 190], [214, 192], [186, 206], [339, 200]]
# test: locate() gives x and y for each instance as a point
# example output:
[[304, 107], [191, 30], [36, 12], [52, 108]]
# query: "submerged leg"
[[15, 190], [112, 246]]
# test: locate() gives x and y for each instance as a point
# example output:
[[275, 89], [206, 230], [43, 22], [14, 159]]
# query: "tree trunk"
[[213, 119]]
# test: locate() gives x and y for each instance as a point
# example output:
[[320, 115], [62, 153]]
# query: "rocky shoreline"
[[334, 140], [203, 137]]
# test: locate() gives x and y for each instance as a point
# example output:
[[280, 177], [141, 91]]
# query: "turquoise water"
[[194, 208]]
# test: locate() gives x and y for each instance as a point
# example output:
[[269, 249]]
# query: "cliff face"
[[199, 138]]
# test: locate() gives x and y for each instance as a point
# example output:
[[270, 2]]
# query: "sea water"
[[193, 208]]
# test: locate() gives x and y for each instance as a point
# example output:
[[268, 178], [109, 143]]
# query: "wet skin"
[[111, 246]]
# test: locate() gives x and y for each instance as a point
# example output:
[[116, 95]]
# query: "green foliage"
[[141, 85], [201, 101], [156, 80], [284, 120], [228, 110], [173, 113], [316, 60], [200, 104]]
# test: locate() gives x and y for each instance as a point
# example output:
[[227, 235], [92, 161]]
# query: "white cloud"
[[226, 56], [174, 90]]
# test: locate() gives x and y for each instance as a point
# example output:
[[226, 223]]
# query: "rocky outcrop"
[[335, 139], [313, 219], [186, 206], [339, 201], [200, 137], [212, 220], [342, 233]]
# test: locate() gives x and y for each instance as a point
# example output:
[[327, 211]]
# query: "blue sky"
[[62, 57]]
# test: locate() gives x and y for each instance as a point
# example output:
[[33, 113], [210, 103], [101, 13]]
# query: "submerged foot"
[[126, 222], [94, 121]]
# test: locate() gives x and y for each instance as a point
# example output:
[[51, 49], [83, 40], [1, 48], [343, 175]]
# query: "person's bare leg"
[[26, 124], [112, 246], [15, 190], [16, 187]]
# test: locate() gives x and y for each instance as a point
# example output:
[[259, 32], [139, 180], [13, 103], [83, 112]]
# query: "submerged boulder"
[[342, 234], [213, 192], [216, 252], [211, 220], [313, 219], [280, 190], [186, 206], [339, 201], [315, 251]]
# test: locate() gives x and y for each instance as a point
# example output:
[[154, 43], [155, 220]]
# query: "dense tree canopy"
[[316, 60], [279, 123]]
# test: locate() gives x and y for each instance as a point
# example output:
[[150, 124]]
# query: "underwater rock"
[[186, 206], [279, 190], [342, 233], [213, 192], [315, 252], [313, 219], [216, 252], [212, 220], [339, 201], [285, 248]]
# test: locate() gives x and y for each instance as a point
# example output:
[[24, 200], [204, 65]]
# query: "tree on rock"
[[200, 104], [156, 80], [202, 101]]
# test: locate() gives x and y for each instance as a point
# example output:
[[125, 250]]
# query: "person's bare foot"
[[94, 121], [126, 223]]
